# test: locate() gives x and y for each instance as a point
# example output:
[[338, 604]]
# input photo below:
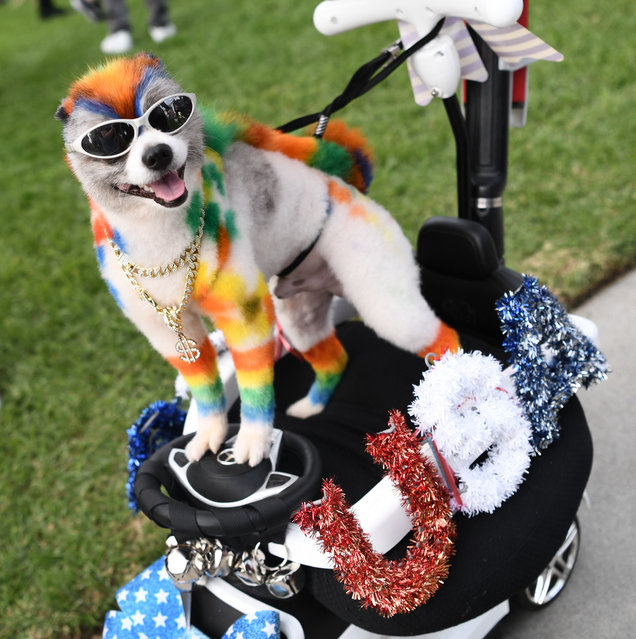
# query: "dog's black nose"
[[157, 157]]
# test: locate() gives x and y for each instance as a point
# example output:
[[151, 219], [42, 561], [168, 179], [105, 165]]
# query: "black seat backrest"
[[462, 277]]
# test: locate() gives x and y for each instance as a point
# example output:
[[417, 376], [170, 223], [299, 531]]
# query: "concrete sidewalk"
[[598, 602]]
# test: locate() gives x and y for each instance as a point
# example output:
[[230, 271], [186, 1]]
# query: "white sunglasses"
[[114, 138]]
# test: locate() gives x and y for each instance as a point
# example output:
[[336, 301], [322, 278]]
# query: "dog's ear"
[[151, 58], [147, 55], [61, 114]]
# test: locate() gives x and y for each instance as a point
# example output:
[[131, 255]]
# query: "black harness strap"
[[300, 258]]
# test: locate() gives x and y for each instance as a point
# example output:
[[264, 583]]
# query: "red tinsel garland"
[[390, 587]]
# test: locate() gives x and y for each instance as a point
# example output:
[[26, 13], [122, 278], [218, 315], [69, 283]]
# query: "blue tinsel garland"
[[158, 424], [551, 358]]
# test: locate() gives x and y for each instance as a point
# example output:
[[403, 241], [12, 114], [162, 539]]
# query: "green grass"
[[74, 374]]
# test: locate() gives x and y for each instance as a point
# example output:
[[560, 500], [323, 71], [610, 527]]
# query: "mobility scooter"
[[233, 550]]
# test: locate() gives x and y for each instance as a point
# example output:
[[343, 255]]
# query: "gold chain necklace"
[[171, 314]]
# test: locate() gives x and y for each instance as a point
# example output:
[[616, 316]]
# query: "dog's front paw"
[[210, 436], [252, 444], [304, 408]]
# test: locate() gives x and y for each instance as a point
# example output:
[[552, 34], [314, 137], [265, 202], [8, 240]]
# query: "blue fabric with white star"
[[151, 608], [550, 357], [262, 624]]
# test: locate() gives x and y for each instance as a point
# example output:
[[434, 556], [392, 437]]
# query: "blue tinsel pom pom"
[[158, 424]]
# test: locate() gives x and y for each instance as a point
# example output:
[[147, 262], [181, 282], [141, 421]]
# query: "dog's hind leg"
[[398, 313], [373, 260], [306, 321], [410, 325]]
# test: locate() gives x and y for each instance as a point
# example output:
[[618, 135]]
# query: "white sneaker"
[[159, 34], [118, 42]]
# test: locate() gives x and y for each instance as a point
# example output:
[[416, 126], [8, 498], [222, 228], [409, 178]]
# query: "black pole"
[[487, 121], [460, 132]]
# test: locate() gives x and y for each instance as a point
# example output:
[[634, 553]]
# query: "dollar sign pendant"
[[187, 349]]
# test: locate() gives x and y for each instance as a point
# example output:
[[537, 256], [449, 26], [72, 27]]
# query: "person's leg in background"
[[119, 38], [159, 25]]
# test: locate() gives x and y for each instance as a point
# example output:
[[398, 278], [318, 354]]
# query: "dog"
[[197, 217]]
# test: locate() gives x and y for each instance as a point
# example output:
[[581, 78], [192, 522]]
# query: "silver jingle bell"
[[185, 563], [286, 581], [251, 569], [221, 560]]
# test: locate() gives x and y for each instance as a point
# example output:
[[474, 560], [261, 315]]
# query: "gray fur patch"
[[256, 178]]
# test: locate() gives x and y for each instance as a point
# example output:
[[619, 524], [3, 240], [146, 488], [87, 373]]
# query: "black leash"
[[363, 80]]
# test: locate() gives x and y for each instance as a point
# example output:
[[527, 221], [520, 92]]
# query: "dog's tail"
[[360, 172], [341, 151]]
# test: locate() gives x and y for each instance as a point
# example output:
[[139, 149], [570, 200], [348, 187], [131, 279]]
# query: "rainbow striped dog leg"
[[255, 378], [329, 359], [202, 377], [245, 315]]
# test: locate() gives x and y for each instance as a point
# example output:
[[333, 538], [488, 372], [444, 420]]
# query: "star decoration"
[[160, 620], [151, 609], [140, 595], [261, 624], [138, 619]]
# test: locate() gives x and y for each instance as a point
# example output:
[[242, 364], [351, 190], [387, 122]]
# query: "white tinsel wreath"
[[468, 405]]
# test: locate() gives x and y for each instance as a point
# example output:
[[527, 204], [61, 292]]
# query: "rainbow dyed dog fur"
[[266, 199]]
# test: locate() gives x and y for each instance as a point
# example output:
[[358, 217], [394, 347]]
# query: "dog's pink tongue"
[[169, 187]]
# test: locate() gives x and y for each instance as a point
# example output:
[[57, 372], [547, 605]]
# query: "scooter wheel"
[[551, 582]]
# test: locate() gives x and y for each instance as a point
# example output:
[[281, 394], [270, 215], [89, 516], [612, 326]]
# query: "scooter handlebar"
[[336, 16]]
